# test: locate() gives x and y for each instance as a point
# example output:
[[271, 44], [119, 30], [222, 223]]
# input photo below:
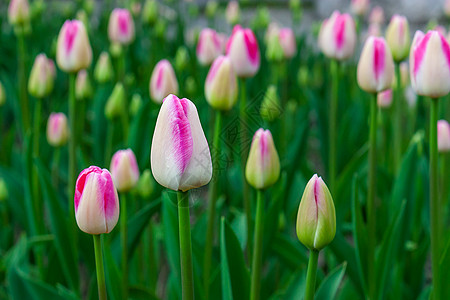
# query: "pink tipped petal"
[[419, 52], [378, 58]]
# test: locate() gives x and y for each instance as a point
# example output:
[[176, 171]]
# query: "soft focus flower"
[[377, 15], [375, 67], [73, 51], [83, 88], [429, 64], [145, 184], [103, 71], [447, 8], [316, 217], [221, 88], [443, 135], [2, 95], [243, 50], [360, 7], [233, 12], [384, 98], [96, 201], [397, 37], [163, 81], [136, 104], [3, 190], [18, 12], [116, 102], [337, 36], [274, 50], [180, 156], [42, 77], [288, 42], [374, 30], [211, 9], [57, 130], [270, 106], [208, 46], [121, 27], [150, 12], [263, 164], [181, 58], [124, 170]]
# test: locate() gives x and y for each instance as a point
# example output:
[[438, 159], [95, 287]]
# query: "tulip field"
[[170, 149]]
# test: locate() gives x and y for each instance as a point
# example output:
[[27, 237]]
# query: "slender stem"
[[371, 188], [184, 224], [109, 141], [434, 200], [311, 274], [72, 146], [99, 267], [332, 123], [123, 244], [257, 248], [212, 205], [23, 96], [397, 120]]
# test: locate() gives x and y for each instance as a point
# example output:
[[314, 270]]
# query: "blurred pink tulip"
[[57, 129], [121, 27], [384, 98], [163, 81], [221, 88], [377, 15], [208, 46], [18, 12], [443, 132], [243, 50], [360, 7], [124, 170], [288, 42]]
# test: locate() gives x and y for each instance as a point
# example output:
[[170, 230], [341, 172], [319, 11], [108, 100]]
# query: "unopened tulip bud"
[[180, 156], [377, 15], [145, 184], [384, 98], [360, 7], [74, 51], [316, 217], [163, 81], [83, 88], [96, 201], [274, 51], [447, 8], [136, 104], [181, 59], [375, 67], [116, 102], [233, 12], [397, 37], [243, 50], [121, 27], [57, 129], [211, 9], [221, 88], [270, 106], [337, 37], [2, 95], [150, 12], [443, 135], [3, 190], [124, 170], [208, 46], [103, 71], [288, 42], [263, 164], [261, 19], [116, 50], [160, 28], [429, 64], [190, 86], [18, 12], [42, 77]]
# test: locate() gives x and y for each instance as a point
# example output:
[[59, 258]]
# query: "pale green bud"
[[83, 87], [274, 52], [3, 190], [146, 184], [42, 77], [136, 104], [103, 71], [116, 102], [270, 106], [181, 59], [211, 9], [2, 95], [150, 12]]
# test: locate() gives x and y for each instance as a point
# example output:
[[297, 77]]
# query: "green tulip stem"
[[109, 141], [123, 243], [212, 204], [371, 188], [72, 148], [257, 247], [397, 119], [187, 275], [434, 200], [99, 267], [332, 122], [23, 96], [311, 274]]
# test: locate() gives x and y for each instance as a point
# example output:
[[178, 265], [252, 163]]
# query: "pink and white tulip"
[[124, 170], [42, 77], [337, 37], [384, 98], [163, 81], [443, 136], [429, 64], [288, 42], [208, 46], [180, 156], [221, 88], [121, 27], [57, 129], [73, 51], [360, 7], [243, 50], [96, 201], [377, 15], [375, 67], [18, 12], [233, 12], [397, 37]]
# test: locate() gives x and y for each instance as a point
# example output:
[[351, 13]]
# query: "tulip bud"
[[447, 8], [124, 170], [211, 9], [377, 15], [103, 71], [243, 50], [96, 201], [145, 184], [397, 37], [57, 130], [288, 42], [384, 98], [136, 104], [116, 50], [208, 46], [42, 77], [429, 64], [270, 106], [163, 81], [263, 164], [233, 12], [190, 85], [3, 190], [337, 36], [316, 217], [221, 89], [160, 28], [121, 27], [375, 67], [2, 95], [74, 51], [150, 12], [443, 136], [274, 51], [18, 12], [181, 59], [261, 19], [83, 88], [116, 102], [180, 156], [360, 7]]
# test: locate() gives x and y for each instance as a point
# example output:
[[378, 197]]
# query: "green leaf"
[[329, 286], [294, 289], [290, 251]]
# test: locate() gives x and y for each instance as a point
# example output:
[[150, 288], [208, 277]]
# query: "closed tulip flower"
[[360, 7], [233, 12], [57, 129], [180, 156], [270, 106], [316, 217], [42, 77], [443, 135], [397, 37], [337, 37], [18, 12], [103, 71], [121, 27], [2, 95], [221, 88], [274, 51], [375, 67], [83, 88], [384, 98], [447, 8], [263, 164], [429, 64], [124, 170], [377, 15], [116, 102], [208, 46], [288, 42], [74, 51], [163, 81], [96, 201], [243, 50], [150, 12]]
